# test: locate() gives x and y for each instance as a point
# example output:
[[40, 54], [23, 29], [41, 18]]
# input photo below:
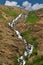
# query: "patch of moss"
[[36, 61], [16, 61], [11, 12], [26, 34], [32, 17], [0, 64]]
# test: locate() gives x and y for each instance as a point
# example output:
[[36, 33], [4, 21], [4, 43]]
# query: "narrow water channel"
[[28, 47]]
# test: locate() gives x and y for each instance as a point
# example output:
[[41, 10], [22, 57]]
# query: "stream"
[[28, 47]]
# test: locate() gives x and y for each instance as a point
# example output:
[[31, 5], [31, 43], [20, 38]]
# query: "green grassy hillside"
[[32, 17], [30, 28]]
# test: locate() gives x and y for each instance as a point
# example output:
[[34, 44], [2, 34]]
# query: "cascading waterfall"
[[28, 47], [14, 21]]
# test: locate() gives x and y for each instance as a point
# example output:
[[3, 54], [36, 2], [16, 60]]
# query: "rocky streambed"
[[28, 47]]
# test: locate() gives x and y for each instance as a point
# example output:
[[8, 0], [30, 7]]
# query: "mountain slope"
[[10, 46], [32, 30]]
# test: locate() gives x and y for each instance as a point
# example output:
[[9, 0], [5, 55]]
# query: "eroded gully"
[[28, 47]]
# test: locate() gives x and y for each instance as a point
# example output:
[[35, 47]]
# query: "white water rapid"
[[28, 47]]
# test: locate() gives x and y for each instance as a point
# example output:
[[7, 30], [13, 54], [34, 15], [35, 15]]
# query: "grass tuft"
[[32, 17]]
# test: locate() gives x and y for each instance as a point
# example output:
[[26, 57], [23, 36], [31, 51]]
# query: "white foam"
[[23, 61], [30, 52], [20, 37], [21, 57], [17, 32], [17, 18], [25, 53], [25, 41], [9, 24]]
